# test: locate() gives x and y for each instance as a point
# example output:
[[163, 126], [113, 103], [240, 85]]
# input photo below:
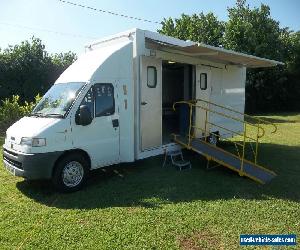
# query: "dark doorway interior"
[[177, 85]]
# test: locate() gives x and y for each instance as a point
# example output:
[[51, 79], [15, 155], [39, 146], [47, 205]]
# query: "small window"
[[151, 77], [104, 99], [88, 100], [203, 81]]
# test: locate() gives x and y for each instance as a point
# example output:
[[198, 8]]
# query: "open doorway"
[[177, 85]]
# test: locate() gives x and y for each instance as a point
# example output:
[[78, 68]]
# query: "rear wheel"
[[214, 138], [70, 173]]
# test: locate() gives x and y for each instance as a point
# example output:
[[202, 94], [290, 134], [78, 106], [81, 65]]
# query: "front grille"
[[10, 152], [13, 162]]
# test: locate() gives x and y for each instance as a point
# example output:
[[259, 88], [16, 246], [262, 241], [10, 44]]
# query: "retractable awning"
[[206, 52]]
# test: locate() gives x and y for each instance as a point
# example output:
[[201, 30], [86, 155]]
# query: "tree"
[[293, 68], [198, 27], [255, 32], [27, 69], [60, 62]]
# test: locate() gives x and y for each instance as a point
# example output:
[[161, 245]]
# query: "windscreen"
[[58, 99]]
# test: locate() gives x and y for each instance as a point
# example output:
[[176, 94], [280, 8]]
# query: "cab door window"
[[104, 99], [88, 100]]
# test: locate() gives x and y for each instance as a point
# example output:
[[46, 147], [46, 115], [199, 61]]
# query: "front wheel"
[[70, 173]]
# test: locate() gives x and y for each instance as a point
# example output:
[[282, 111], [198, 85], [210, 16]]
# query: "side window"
[[104, 99], [151, 76], [203, 81], [88, 100]]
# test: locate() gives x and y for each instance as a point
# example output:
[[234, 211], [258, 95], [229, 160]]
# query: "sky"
[[22, 19]]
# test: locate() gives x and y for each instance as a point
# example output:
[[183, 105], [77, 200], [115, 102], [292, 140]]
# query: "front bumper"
[[30, 166]]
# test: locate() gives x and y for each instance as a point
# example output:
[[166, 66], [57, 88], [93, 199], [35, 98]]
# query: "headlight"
[[34, 142], [38, 142]]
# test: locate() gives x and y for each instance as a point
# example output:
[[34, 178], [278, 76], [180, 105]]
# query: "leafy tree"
[[200, 28], [293, 64], [27, 69], [22, 67], [251, 31], [12, 110], [254, 31], [60, 62], [293, 69]]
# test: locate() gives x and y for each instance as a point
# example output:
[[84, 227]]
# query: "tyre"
[[70, 173], [214, 138]]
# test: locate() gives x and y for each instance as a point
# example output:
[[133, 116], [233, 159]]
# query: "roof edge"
[[172, 41], [240, 54]]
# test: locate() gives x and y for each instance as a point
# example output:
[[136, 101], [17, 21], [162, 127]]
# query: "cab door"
[[203, 92], [151, 102], [100, 139]]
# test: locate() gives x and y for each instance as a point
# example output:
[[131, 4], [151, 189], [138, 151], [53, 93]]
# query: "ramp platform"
[[229, 160]]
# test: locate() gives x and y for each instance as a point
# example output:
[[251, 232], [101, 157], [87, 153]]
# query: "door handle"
[[143, 103], [115, 123]]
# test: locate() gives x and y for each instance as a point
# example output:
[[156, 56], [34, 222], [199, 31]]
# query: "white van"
[[114, 104]]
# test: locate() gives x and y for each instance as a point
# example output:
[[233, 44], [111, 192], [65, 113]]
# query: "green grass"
[[143, 206]]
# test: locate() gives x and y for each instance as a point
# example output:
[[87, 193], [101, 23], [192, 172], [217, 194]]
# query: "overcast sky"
[[21, 19]]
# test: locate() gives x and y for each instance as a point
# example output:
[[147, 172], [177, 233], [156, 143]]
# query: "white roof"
[[83, 69]]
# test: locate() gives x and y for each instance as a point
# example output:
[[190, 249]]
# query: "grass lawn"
[[144, 206]]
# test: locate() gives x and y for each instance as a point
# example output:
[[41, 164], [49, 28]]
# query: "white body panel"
[[117, 60], [228, 90]]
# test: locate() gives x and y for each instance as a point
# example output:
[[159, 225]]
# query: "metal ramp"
[[224, 158], [236, 162]]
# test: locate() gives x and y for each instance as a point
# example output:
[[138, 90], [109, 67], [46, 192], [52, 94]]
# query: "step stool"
[[176, 158]]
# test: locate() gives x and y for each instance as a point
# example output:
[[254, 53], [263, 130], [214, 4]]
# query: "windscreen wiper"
[[37, 114], [54, 115]]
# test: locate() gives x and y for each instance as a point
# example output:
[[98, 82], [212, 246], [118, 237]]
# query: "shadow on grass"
[[283, 114], [146, 184], [266, 120]]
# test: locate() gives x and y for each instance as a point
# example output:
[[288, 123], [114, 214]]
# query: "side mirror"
[[83, 116]]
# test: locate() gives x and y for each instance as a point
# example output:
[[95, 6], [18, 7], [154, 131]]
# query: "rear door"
[[203, 92], [151, 102]]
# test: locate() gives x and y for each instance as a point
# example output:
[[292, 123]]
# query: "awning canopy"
[[206, 52]]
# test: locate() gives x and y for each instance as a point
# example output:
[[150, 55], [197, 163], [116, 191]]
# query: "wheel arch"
[[73, 151]]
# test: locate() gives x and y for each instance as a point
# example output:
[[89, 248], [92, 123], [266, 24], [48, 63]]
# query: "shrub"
[[12, 110]]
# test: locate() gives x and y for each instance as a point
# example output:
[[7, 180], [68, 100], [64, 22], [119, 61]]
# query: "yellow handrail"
[[233, 118], [192, 104], [259, 133], [259, 120], [231, 131]]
